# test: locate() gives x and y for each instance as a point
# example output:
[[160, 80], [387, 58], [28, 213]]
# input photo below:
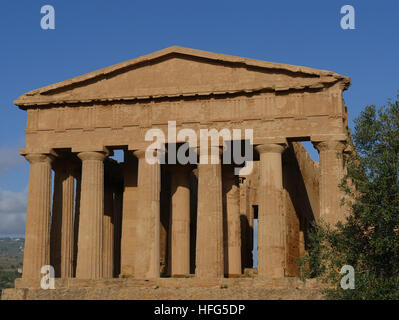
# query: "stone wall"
[[301, 197], [310, 172]]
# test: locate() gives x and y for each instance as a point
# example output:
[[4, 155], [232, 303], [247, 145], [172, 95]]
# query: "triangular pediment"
[[178, 71]]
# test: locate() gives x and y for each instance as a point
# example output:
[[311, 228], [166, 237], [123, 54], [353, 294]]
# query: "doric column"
[[147, 219], [62, 231], [232, 229], [56, 222], [37, 236], [180, 220], [246, 219], [271, 227], [164, 227], [209, 253], [90, 242], [118, 206], [108, 243], [78, 177], [128, 240], [331, 174]]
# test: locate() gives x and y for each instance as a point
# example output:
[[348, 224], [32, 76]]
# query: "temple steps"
[[170, 289]]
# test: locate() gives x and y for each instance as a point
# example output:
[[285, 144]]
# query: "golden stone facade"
[[101, 219]]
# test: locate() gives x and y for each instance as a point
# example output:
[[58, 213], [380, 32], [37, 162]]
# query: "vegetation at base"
[[369, 238], [7, 279]]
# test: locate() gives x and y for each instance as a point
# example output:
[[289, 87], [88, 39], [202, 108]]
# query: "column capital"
[[92, 155], [330, 145], [271, 148], [39, 157]]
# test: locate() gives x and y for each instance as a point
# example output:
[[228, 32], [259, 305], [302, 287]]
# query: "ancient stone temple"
[[93, 218]]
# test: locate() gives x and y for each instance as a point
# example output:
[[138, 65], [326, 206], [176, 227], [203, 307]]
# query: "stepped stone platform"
[[169, 289]]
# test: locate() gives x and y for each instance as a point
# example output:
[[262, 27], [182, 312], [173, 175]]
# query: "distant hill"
[[11, 257], [13, 247]]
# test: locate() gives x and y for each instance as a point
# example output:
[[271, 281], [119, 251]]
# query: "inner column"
[[271, 228], [232, 223], [180, 220], [109, 220], [147, 253], [62, 229], [209, 260], [129, 215], [91, 224]]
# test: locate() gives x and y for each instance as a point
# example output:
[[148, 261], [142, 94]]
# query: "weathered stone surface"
[[91, 225], [180, 221], [174, 289], [147, 219], [135, 219], [331, 174], [231, 222], [128, 241], [62, 224], [210, 253], [37, 235], [271, 227]]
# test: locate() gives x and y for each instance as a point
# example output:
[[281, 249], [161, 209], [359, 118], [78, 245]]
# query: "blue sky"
[[92, 34]]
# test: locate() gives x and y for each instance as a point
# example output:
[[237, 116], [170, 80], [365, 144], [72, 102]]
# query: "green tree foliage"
[[369, 239], [7, 279]]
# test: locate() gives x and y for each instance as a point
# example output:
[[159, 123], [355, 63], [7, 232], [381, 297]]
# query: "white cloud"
[[13, 211], [12, 204], [9, 159]]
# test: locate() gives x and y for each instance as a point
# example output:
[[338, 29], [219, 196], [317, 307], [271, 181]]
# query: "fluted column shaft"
[[147, 256], [56, 223], [180, 220], [271, 223], [331, 174], [129, 215], [231, 208], [108, 243], [246, 219], [37, 236], [78, 176], [62, 231], [90, 242], [209, 251], [118, 207]]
